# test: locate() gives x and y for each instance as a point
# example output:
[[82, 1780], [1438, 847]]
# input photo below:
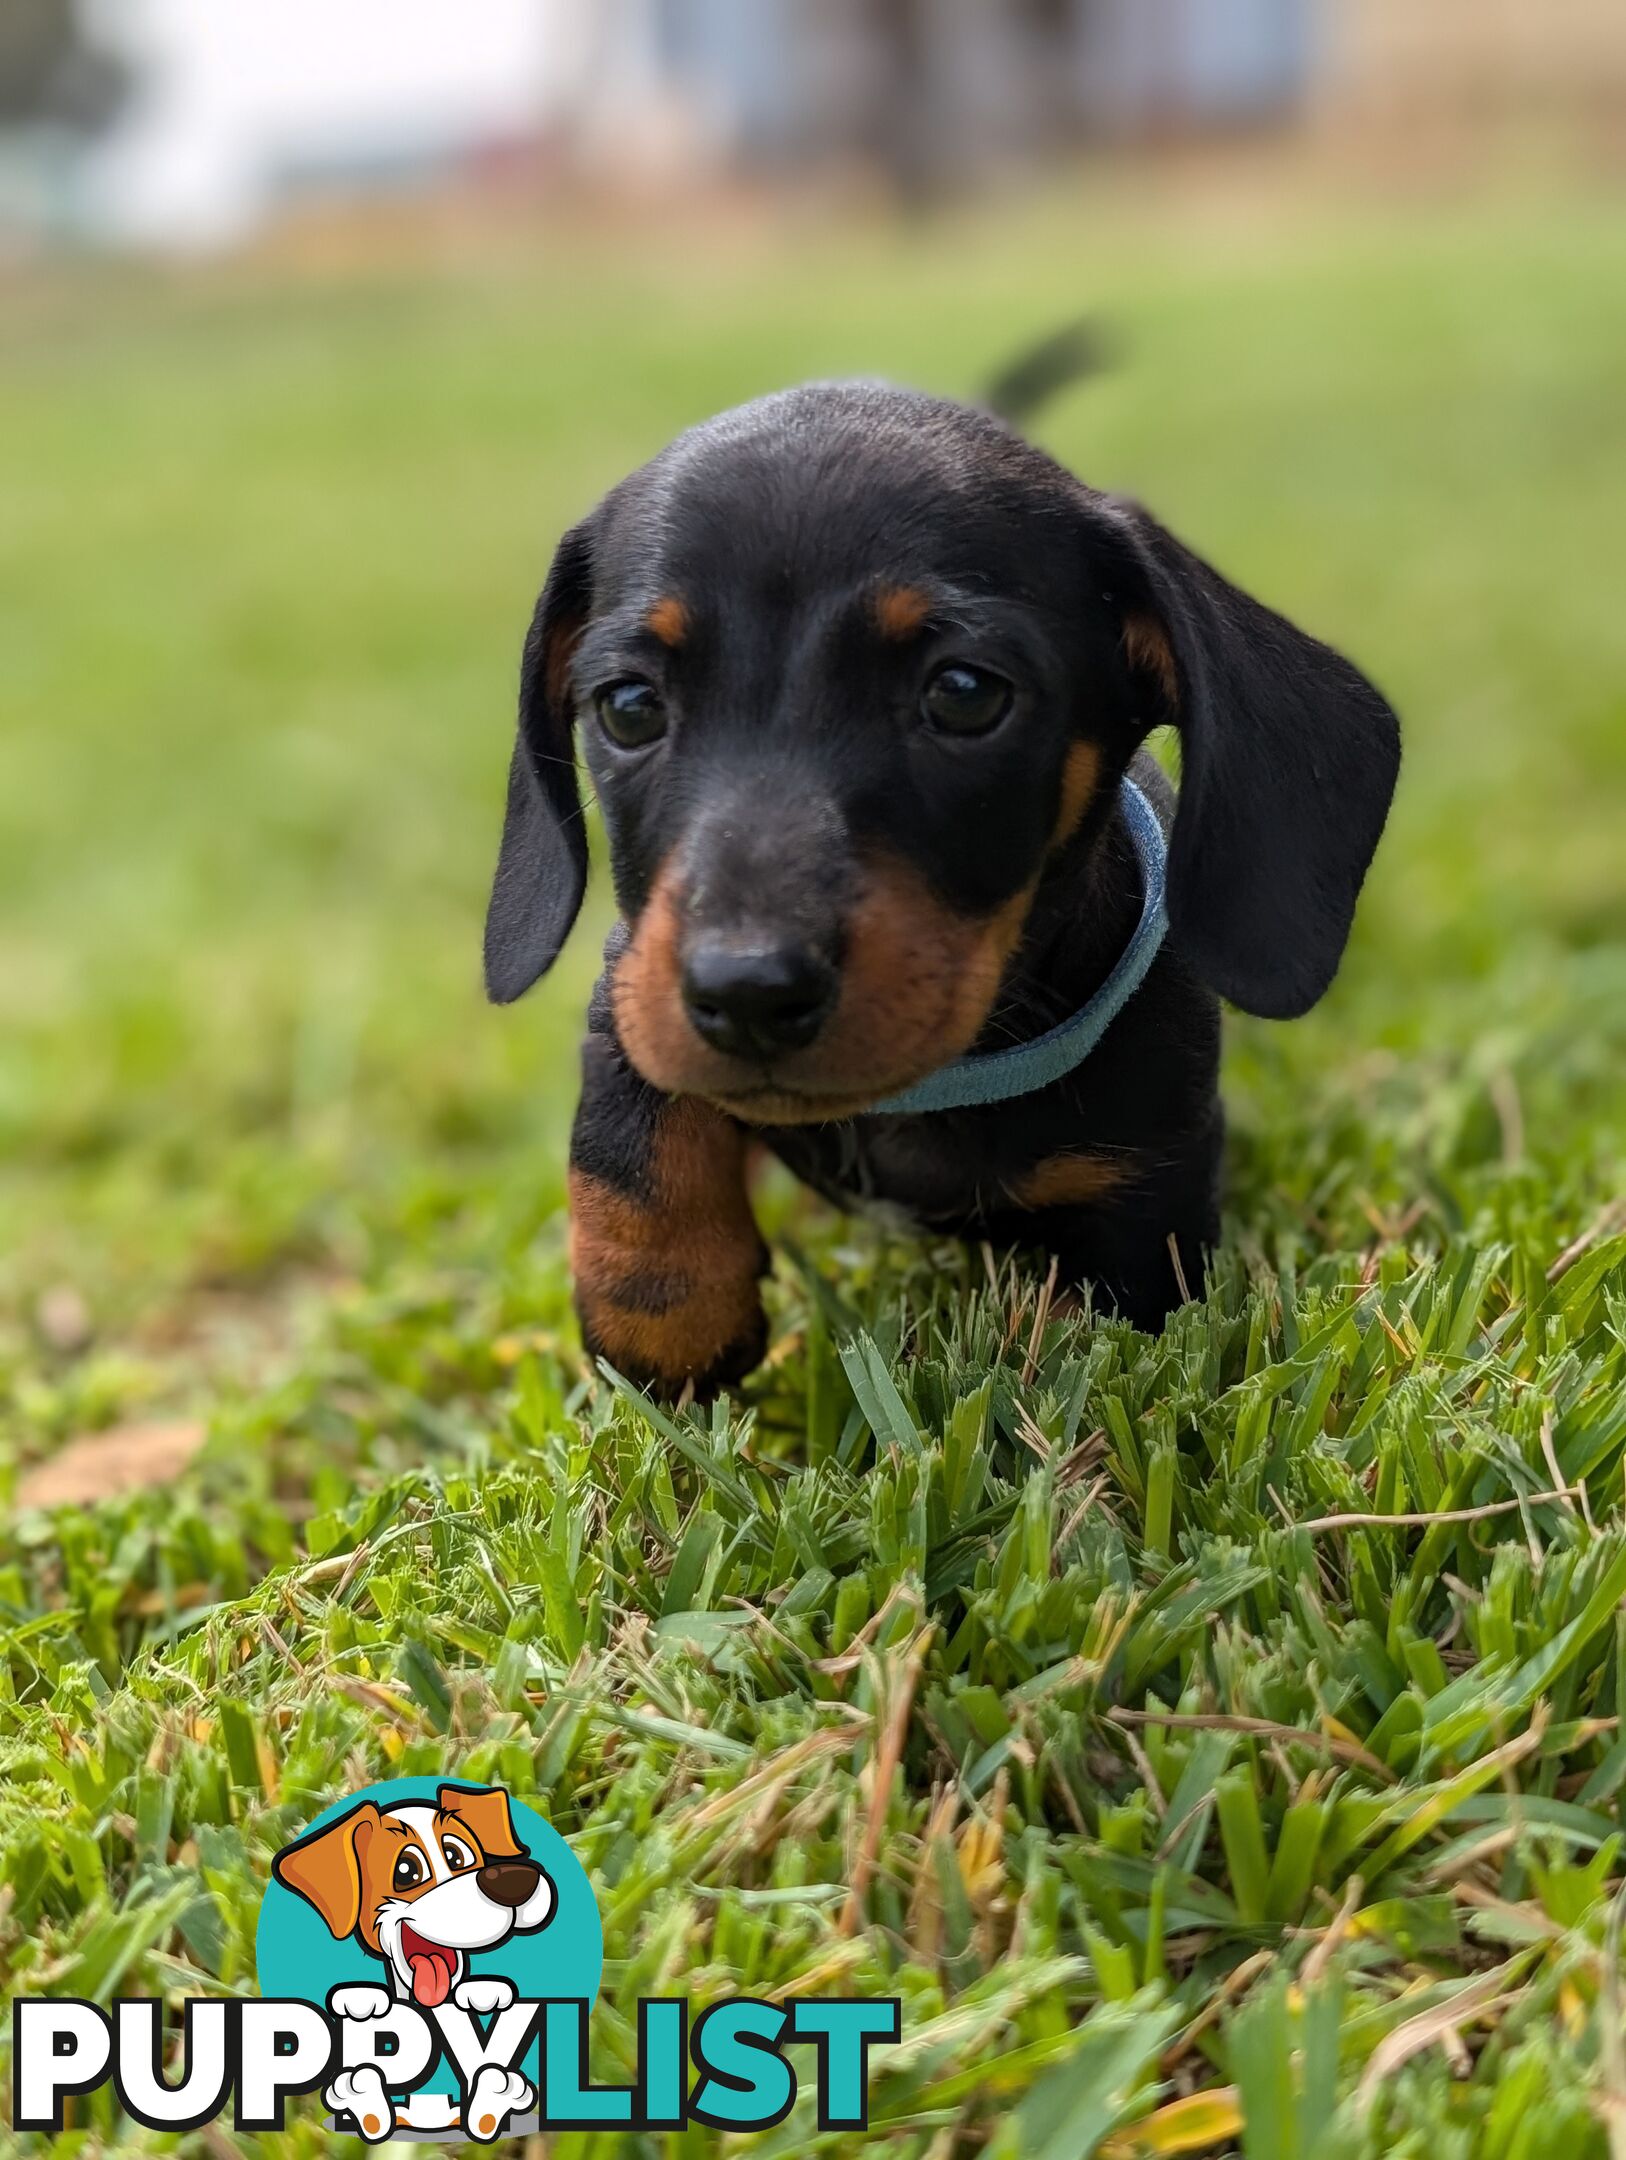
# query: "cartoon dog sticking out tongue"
[[421, 1887]]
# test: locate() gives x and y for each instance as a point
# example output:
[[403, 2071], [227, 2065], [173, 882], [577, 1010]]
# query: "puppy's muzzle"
[[508, 1882], [757, 999]]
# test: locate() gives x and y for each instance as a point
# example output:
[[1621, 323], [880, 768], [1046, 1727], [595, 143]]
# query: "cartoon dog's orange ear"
[[325, 1867], [486, 1814]]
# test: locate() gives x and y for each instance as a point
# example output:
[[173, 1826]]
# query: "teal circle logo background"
[[295, 1955]]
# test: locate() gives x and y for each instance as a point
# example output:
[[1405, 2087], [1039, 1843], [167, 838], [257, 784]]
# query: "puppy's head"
[[853, 671], [422, 1886]]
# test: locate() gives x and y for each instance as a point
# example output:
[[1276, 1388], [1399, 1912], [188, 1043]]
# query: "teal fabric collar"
[[1000, 1074]]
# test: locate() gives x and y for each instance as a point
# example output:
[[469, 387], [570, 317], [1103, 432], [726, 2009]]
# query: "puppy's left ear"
[[542, 864], [487, 1814], [1289, 758]]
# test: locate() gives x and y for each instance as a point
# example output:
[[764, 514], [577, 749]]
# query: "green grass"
[[1195, 1797]]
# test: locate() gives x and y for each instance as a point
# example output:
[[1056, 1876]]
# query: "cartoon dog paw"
[[361, 2095], [361, 2002], [483, 1996], [495, 2095]]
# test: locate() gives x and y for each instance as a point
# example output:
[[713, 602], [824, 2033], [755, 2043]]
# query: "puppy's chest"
[[917, 1173]]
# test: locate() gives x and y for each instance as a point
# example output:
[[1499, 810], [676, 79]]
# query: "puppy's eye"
[[458, 1856], [409, 1871], [965, 700], [631, 713]]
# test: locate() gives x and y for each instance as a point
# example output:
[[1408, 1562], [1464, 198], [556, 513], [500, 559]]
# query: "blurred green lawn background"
[[269, 535], [267, 545]]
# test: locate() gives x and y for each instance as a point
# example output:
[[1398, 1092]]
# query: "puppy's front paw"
[[483, 1996], [495, 2095], [669, 1294], [703, 1342], [663, 1245], [360, 2094], [360, 2001]]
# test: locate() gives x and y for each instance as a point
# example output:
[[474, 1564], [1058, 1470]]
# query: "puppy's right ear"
[[1288, 762], [325, 1867], [542, 864]]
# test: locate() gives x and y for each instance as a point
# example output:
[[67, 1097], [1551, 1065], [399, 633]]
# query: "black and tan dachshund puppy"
[[862, 681]]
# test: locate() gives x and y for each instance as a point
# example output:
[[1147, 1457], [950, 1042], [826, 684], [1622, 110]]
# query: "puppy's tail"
[[1026, 385]]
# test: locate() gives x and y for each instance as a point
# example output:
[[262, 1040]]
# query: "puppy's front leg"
[[663, 1244]]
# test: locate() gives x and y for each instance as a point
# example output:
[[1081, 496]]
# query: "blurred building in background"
[[931, 91], [194, 121], [233, 109], [1455, 60], [60, 88]]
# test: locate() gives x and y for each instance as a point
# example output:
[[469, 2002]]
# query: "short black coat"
[[783, 586]]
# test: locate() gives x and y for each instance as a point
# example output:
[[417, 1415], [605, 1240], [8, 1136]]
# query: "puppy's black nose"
[[508, 1882], [757, 1001]]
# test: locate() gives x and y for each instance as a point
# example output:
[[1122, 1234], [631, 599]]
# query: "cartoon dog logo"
[[421, 1887]]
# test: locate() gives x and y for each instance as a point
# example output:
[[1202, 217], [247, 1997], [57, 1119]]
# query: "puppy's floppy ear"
[[542, 864], [1288, 762], [486, 1813], [325, 1867]]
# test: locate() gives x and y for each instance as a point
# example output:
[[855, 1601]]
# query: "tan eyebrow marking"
[[901, 610], [669, 620]]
